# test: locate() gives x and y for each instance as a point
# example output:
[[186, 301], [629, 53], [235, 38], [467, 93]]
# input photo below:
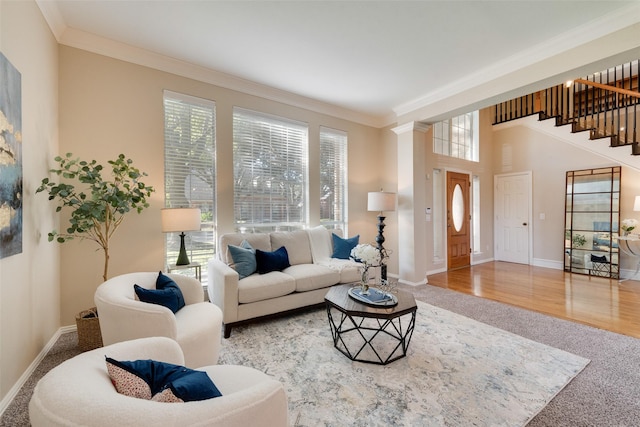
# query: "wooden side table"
[[194, 265]]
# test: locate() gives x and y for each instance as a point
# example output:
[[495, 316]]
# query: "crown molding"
[[92, 43], [617, 20], [52, 15], [410, 127]]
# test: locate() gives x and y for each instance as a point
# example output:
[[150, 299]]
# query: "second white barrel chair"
[[196, 327]]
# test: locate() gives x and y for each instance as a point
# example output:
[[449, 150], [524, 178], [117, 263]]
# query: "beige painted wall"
[[484, 170], [29, 282], [549, 159], [109, 106], [387, 165]]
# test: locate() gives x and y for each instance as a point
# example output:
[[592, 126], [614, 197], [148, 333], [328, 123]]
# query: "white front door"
[[512, 208]]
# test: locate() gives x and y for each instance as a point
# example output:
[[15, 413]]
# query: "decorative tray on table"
[[373, 296]]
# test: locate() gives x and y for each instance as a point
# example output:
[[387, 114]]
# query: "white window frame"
[[458, 137], [475, 191], [333, 178], [265, 149], [439, 204], [189, 156]]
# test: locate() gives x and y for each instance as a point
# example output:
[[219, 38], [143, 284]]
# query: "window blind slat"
[[333, 178], [189, 154], [270, 171]]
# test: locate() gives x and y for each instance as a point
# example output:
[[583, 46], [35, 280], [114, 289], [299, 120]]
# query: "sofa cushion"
[[244, 259], [256, 240], [265, 286], [297, 244], [342, 247], [312, 276], [277, 260], [348, 269]]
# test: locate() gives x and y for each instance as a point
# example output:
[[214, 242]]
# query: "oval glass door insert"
[[457, 206]]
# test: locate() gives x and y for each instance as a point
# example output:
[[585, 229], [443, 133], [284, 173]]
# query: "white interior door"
[[512, 208]]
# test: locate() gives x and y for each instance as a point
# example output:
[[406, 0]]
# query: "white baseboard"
[[406, 282], [559, 265], [548, 263], [482, 261], [6, 401], [627, 274]]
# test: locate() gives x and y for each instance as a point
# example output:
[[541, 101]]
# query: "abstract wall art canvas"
[[10, 159]]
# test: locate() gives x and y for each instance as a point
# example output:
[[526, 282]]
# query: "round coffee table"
[[370, 334]]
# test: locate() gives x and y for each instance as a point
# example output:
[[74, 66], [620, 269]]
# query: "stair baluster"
[[604, 105]]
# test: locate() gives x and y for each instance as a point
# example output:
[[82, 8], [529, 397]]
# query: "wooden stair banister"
[[607, 108], [609, 87]]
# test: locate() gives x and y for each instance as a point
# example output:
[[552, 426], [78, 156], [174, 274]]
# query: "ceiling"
[[378, 59]]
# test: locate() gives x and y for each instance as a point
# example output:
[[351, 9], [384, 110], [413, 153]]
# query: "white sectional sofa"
[[304, 283]]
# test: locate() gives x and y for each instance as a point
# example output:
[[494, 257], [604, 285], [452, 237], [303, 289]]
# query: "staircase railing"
[[604, 104]]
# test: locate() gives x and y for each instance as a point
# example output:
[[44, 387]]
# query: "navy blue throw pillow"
[[194, 385], [167, 293], [277, 260], [342, 247], [185, 384]]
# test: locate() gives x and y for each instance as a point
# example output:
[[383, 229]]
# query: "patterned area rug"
[[458, 372]]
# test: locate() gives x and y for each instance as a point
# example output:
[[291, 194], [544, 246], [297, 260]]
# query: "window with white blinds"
[[333, 178], [189, 164], [270, 172]]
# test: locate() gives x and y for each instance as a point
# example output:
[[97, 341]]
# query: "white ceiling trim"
[[110, 48], [456, 94], [610, 23], [53, 17], [410, 127]]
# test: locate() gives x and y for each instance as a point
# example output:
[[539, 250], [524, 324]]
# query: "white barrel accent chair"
[[197, 327], [79, 392]]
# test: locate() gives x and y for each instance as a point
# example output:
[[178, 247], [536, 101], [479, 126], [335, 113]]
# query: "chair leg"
[[227, 330]]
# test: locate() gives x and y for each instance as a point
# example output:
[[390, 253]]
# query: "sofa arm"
[[222, 287]]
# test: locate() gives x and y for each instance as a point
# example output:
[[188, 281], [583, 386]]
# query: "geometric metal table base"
[[367, 333], [371, 340]]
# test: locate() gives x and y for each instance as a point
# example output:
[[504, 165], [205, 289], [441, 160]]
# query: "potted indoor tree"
[[98, 199]]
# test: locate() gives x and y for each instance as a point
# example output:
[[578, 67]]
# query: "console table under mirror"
[[592, 217]]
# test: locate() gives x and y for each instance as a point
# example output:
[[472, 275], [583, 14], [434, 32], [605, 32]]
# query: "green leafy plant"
[[99, 207], [579, 240]]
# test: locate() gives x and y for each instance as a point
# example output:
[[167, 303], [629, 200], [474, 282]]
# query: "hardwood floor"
[[595, 301]]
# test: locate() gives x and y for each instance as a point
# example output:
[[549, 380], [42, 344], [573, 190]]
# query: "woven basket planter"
[[88, 325]]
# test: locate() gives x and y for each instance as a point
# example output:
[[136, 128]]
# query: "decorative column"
[[412, 241]]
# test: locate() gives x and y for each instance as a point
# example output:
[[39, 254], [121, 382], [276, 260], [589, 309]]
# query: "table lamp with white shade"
[[381, 201], [176, 220]]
